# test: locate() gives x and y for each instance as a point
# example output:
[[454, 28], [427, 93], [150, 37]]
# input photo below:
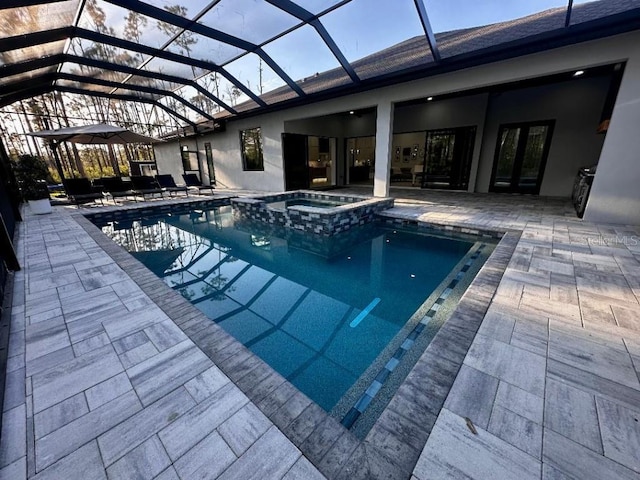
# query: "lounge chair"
[[168, 184], [80, 190], [192, 180], [116, 187], [144, 185]]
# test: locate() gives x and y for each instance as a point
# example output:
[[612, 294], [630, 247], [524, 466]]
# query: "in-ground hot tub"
[[305, 211]]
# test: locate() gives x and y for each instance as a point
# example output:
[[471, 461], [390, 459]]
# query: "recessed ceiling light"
[[351, 112], [578, 73], [429, 99]]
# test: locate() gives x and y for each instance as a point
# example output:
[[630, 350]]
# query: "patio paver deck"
[[101, 383]]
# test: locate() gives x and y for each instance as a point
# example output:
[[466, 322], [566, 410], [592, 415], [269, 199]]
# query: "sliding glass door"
[[521, 155]]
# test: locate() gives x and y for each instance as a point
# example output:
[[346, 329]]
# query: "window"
[[251, 144]]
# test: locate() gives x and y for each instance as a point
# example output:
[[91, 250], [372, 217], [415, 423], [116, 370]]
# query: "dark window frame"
[[525, 126], [260, 151]]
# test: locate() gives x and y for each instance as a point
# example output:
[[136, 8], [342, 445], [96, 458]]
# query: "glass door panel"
[[533, 155], [509, 138], [439, 156], [447, 161], [521, 154]]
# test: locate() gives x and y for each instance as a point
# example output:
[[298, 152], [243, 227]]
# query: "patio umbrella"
[[99, 133]]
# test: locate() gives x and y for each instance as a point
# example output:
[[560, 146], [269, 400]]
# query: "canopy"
[[98, 133]]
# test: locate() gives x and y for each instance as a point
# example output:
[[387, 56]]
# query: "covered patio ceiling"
[[204, 60]]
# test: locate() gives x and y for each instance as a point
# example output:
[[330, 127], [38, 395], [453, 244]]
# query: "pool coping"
[[392, 447]]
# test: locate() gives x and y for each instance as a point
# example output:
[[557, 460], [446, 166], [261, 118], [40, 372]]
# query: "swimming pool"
[[329, 325]]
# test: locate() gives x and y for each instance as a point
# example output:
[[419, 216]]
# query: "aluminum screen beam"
[[125, 98], [178, 21], [138, 88], [36, 38], [428, 31], [311, 19], [166, 55], [567, 20]]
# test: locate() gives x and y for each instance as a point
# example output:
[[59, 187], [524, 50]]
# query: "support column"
[[384, 137], [615, 194]]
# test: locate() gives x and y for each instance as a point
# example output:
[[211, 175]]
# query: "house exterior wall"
[[575, 105], [226, 145], [615, 194]]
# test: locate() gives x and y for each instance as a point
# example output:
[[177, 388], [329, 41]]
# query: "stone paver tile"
[[61, 442], [46, 337], [594, 384], [108, 390], [142, 463], [165, 371], [198, 422], [506, 362], [498, 325], [149, 421], [206, 460], [593, 357], [50, 316], [520, 401], [81, 306], [611, 338], [138, 354], [550, 473], [550, 308], [572, 413], [49, 361], [576, 461], [169, 474], [90, 344], [100, 276], [620, 429], [531, 333], [452, 451], [516, 430], [165, 334], [270, 457], [52, 280], [15, 471], [206, 384], [627, 317], [605, 284], [70, 290], [15, 363], [13, 439], [83, 464], [130, 342], [303, 469], [243, 428], [472, 395], [127, 323], [69, 378], [59, 415], [16, 344], [15, 388]]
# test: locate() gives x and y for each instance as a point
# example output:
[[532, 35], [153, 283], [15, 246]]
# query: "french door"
[[447, 160], [521, 155]]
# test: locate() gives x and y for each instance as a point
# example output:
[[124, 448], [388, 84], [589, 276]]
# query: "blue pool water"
[[320, 322]]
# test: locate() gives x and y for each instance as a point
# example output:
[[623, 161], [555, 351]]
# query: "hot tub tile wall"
[[358, 210]]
